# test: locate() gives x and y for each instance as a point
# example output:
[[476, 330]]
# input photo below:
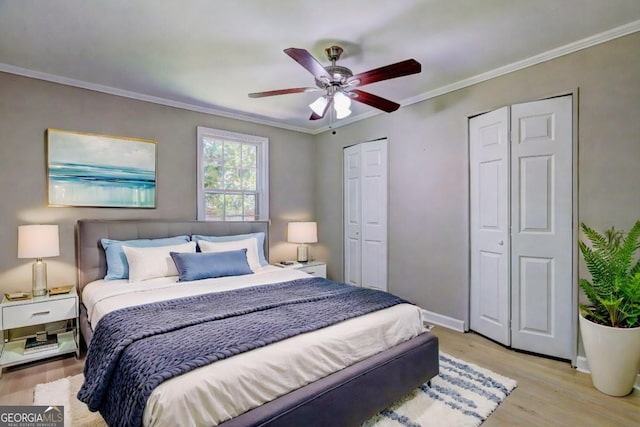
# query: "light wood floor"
[[549, 392]]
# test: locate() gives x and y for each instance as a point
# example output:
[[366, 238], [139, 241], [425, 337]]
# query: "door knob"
[[501, 242]]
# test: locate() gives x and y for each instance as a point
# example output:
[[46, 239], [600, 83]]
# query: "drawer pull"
[[41, 313]]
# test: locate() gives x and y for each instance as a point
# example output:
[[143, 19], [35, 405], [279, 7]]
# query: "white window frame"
[[262, 189]]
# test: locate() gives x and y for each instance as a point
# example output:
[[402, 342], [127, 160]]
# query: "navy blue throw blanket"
[[135, 349]]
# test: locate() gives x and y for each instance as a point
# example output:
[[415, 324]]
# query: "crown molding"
[[596, 39], [25, 72]]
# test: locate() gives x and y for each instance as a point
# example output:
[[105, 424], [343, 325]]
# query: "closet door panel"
[[374, 214], [542, 229], [489, 204], [352, 215]]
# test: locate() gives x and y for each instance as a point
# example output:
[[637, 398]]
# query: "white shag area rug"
[[63, 392], [462, 395]]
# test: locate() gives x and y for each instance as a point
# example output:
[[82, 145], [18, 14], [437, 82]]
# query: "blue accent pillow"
[[117, 265], [260, 236], [206, 265]]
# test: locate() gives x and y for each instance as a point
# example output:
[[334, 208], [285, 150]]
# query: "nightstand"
[[32, 313], [315, 268]]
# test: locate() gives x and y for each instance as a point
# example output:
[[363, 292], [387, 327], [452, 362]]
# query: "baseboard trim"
[[582, 365], [441, 320]]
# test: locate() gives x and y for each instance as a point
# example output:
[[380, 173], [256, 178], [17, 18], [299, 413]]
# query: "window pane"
[[232, 179], [212, 150], [212, 163], [215, 206], [213, 177], [233, 207], [249, 156], [231, 154], [248, 177], [250, 207]]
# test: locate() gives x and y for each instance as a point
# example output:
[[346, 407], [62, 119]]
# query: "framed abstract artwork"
[[90, 170]]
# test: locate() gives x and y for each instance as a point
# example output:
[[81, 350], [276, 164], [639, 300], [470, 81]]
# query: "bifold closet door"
[[542, 307], [521, 226], [365, 214], [352, 215], [489, 214]]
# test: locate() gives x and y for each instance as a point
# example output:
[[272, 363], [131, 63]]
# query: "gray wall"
[[28, 107], [428, 155]]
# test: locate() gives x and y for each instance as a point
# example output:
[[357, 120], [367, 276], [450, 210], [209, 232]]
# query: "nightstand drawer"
[[17, 316], [316, 270]]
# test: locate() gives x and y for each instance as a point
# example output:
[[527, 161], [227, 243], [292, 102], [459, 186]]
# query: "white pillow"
[[251, 244], [152, 262]]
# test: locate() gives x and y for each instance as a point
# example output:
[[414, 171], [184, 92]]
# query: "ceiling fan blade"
[[314, 116], [374, 101], [283, 92], [311, 64], [399, 69]]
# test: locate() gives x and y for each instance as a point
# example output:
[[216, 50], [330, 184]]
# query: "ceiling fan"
[[339, 83]]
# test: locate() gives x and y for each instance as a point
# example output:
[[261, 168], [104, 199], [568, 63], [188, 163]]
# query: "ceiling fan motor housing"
[[339, 76]]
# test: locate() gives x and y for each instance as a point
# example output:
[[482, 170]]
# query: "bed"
[[366, 379]]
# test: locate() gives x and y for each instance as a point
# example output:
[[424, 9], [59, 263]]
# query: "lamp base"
[[39, 285], [303, 253]]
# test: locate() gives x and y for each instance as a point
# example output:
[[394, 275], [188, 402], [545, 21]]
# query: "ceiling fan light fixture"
[[342, 113], [318, 106], [341, 100], [341, 104]]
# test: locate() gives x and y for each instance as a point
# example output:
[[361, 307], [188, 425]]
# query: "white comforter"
[[227, 388]]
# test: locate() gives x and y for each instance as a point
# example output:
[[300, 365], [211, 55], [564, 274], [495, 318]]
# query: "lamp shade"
[[341, 104], [302, 232], [38, 241], [318, 106]]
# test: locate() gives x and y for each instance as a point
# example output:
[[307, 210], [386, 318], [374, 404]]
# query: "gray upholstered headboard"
[[90, 256]]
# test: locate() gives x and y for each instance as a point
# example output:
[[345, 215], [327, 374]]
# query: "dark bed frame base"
[[351, 396], [345, 398]]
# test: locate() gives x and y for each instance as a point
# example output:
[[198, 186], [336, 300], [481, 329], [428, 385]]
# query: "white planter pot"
[[613, 355]]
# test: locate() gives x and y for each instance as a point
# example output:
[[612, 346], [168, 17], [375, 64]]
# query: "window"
[[233, 176]]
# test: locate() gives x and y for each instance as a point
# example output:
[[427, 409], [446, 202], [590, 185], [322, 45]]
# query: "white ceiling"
[[207, 55]]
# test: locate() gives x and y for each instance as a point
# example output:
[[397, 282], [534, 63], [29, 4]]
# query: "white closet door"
[[365, 214], [542, 230], [374, 214], [489, 192], [352, 215]]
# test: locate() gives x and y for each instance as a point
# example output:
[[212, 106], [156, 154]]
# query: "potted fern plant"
[[610, 325]]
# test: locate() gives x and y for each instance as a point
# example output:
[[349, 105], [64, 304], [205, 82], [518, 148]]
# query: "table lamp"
[[302, 232], [38, 241]]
